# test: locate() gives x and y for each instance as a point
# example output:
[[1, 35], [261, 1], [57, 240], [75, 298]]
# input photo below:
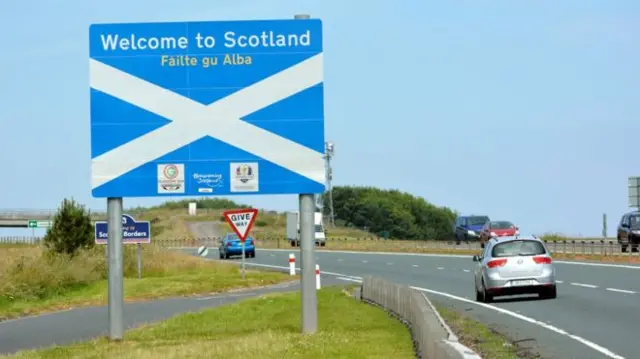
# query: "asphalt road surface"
[[596, 314], [82, 324]]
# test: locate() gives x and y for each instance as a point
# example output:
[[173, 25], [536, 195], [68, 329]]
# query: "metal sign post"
[[243, 255], [307, 256], [116, 269]]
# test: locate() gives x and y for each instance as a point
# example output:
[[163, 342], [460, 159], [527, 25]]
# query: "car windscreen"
[[477, 220], [319, 228], [518, 248], [501, 225], [634, 220]]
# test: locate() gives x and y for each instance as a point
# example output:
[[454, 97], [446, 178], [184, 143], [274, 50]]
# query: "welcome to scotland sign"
[[207, 108]]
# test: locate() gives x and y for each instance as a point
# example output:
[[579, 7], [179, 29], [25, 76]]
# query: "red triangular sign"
[[241, 221]]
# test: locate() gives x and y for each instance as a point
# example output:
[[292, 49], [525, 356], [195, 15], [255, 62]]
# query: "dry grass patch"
[[33, 281], [269, 327]]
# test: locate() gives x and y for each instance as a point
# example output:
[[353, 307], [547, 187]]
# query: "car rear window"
[[518, 248], [477, 220], [501, 225]]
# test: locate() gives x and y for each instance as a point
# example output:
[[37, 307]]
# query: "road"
[[81, 324], [596, 314]]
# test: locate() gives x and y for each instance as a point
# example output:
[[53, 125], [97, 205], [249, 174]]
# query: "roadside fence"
[[576, 247], [432, 337]]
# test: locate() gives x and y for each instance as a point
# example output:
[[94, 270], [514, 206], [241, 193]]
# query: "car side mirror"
[[476, 258], [624, 225]]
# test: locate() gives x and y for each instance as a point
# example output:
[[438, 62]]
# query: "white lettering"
[[133, 42], [267, 39]]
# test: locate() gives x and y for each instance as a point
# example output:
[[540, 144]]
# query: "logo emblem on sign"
[[244, 173], [171, 178], [519, 261]]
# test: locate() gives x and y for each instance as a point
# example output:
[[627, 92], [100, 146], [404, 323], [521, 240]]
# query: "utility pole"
[[328, 154]]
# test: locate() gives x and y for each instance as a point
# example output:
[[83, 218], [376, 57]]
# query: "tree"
[[400, 214], [71, 229]]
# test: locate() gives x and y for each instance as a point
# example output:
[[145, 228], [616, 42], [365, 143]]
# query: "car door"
[[479, 266], [223, 247], [623, 232]]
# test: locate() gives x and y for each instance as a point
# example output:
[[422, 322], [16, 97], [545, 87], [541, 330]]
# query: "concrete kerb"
[[432, 337]]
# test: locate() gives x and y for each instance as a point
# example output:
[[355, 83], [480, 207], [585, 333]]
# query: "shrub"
[[71, 230]]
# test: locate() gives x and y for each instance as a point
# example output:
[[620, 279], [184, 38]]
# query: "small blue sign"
[[207, 108], [133, 232]]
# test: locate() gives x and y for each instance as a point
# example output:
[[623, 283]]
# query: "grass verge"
[[266, 327], [33, 281], [480, 338]]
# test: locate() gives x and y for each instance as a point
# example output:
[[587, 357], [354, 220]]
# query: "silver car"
[[514, 265]]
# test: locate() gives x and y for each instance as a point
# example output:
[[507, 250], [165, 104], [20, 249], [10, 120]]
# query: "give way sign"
[[241, 220]]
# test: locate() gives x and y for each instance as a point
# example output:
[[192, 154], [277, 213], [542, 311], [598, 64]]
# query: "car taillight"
[[497, 263], [542, 260], [228, 244]]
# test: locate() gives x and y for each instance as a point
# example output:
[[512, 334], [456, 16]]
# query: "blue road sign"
[[207, 108], [132, 231]]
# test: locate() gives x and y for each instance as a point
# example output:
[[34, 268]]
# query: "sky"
[[523, 111]]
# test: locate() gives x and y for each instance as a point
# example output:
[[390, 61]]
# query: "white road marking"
[[466, 270], [468, 256], [415, 266], [389, 263], [340, 260], [365, 261], [441, 268], [586, 342], [584, 285], [621, 291]]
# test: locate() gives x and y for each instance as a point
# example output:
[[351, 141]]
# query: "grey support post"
[[308, 257], [116, 268]]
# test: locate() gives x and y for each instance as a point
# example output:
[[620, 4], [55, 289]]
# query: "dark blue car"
[[469, 227], [231, 246]]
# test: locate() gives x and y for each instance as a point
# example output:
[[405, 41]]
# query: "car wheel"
[[478, 294], [253, 254], [549, 293], [221, 256], [226, 256], [623, 248], [486, 297], [323, 244]]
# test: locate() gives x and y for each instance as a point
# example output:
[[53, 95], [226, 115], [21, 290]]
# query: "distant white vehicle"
[[293, 229]]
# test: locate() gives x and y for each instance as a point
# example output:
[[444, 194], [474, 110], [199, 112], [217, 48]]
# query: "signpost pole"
[[116, 292], [243, 255], [139, 255], [307, 255]]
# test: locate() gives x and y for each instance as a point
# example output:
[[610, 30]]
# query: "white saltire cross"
[[192, 120]]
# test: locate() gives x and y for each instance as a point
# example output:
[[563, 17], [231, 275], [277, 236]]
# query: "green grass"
[[268, 327], [478, 337], [33, 283]]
